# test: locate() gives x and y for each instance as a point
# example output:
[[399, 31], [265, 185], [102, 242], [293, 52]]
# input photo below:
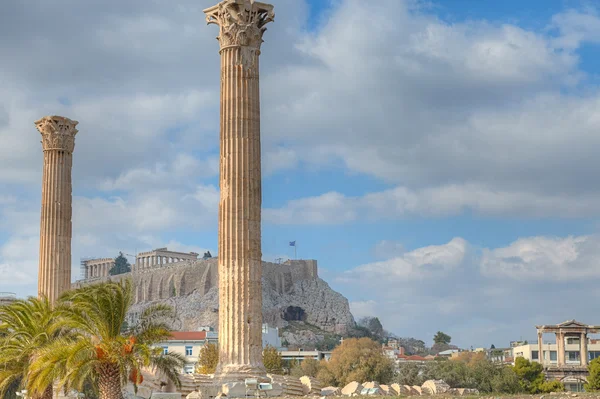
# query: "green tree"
[[410, 374], [26, 328], [121, 265], [357, 360], [100, 352], [272, 360], [208, 359], [442, 338], [593, 381], [505, 380], [530, 374]]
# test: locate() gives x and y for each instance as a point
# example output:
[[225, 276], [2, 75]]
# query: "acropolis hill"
[[292, 291]]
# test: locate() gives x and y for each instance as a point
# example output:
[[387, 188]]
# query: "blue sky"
[[438, 158]]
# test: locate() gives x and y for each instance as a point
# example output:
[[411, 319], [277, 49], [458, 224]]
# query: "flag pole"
[[295, 247]]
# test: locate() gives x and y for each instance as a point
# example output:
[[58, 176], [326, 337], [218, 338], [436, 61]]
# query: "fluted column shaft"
[[58, 135], [240, 268], [241, 27]]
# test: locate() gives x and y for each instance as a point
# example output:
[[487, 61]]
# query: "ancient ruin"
[[241, 28], [58, 141], [571, 338]]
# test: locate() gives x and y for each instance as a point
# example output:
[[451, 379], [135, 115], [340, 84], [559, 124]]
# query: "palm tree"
[[103, 352], [26, 326]]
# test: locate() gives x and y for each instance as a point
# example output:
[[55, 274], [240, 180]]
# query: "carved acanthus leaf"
[[58, 133], [241, 22]]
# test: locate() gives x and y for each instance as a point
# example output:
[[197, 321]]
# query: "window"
[[188, 351], [573, 356], [534, 355], [572, 341], [165, 350], [594, 354], [553, 356], [188, 369]]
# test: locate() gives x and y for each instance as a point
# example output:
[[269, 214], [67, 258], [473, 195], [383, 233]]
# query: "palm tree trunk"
[[109, 381]]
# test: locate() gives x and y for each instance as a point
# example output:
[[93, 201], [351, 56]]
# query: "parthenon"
[[161, 257]]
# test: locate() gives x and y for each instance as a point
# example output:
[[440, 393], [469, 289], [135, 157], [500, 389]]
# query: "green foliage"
[[27, 327], [208, 359], [328, 343], [441, 338], [471, 372], [121, 265], [506, 381], [551, 386], [532, 379], [593, 381], [356, 360], [272, 360], [409, 374], [96, 350]]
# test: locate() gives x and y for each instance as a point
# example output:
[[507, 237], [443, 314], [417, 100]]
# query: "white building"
[[270, 336], [188, 344]]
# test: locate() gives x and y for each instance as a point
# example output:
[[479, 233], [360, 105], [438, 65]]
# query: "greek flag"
[[292, 243]]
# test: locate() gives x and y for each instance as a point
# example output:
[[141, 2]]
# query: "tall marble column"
[[241, 27], [58, 141]]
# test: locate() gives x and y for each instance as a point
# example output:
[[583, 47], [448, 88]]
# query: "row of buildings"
[[190, 343], [564, 357]]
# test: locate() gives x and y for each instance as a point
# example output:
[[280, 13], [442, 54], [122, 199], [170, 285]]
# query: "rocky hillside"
[[302, 305]]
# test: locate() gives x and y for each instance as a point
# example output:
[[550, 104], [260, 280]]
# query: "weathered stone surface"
[[417, 389], [352, 388], [311, 386], [434, 387], [386, 390], [192, 289], [165, 395], [396, 389], [331, 391]]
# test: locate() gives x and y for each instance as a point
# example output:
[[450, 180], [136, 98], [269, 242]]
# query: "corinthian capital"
[[58, 133], [241, 22]]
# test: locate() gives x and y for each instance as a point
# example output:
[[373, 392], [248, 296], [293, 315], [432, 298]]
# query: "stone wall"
[[182, 278]]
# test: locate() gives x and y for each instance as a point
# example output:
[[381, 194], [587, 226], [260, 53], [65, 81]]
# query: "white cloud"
[[468, 292], [545, 258], [440, 201], [428, 262]]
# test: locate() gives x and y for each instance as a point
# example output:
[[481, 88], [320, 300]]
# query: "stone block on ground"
[[234, 389], [352, 388], [331, 391], [395, 389], [194, 395], [407, 390], [417, 389], [310, 385], [370, 384], [434, 387], [386, 390], [165, 395]]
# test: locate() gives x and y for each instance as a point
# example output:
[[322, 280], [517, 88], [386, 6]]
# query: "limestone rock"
[[396, 390], [331, 391], [386, 390], [352, 388], [434, 387], [310, 385], [191, 288], [417, 389]]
